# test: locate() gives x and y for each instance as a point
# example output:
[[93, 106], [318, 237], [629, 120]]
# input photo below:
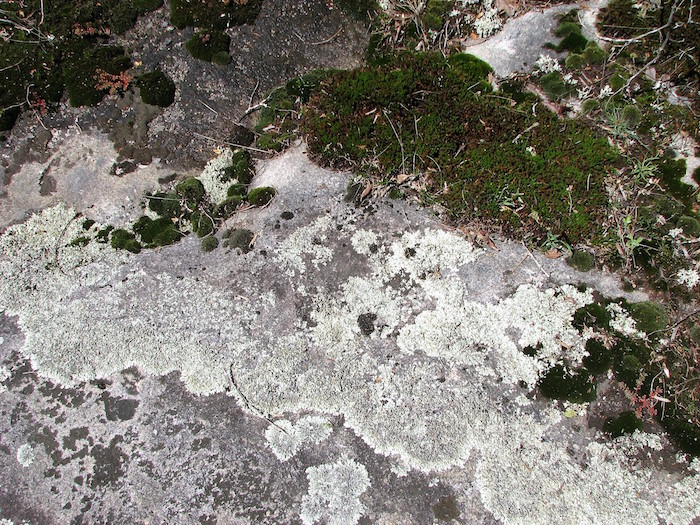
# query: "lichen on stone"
[[286, 438]]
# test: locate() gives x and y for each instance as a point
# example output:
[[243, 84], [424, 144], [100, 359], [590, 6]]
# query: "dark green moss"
[[237, 190], [632, 116], [576, 386], [241, 169], [302, 87], [103, 235], [592, 315], [574, 42], [567, 27], [362, 9], [667, 206], [594, 54], [205, 44], [121, 239], [213, 14], [630, 357], [146, 6], [202, 224], [599, 357], [690, 226], [168, 205], [620, 19], [617, 82], [696, 175], [87, 224], [156, 88], [221, 58], [80, 241], [209, 244], [671, 172], [81, 73], [445, 119], [574, 61], [191, 190], [650, 317], [683, 433], [8, 118], [239, 239], [553, 85], [626, 423], [589, 105], [582, 260], [159, 232], [433, 16], [694, 334], [227, 208], [261, 196], [122, 17]]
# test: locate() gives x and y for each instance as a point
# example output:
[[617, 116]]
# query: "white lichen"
[[213, 178], [25, 455], [334, 493], [621, 321], [489, 21], [305, 242], [286, 438], [547, 64]]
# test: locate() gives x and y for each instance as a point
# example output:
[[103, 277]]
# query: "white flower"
[[569, 79], [675, 232], [688, 277], [584, 92], [548, 64], [605, 92]]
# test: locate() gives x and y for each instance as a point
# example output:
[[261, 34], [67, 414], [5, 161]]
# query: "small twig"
[[10, 67], [36, 113], [517, 138], [252, 95], [535, 259], [209, 107], [234, 387], [233, 144], [329, 39]]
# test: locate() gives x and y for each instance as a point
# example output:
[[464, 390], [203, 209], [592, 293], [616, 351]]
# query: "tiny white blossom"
[[548, 64], [569, 79], [605, 92], [675, 232], [688, 277]]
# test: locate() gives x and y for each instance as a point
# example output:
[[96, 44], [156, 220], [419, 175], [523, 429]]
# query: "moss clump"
[[574, 61], [593, 315], [261, 196], [227, 208], [241, 169], [553, 85], [202, 224], [205, 44], [575, 386], [237, 190], [81, 73], [361, 9], [594, 54], [650, 317], [239, 239], [598, 359], [632, 116], [683, 433], [156, 88], [589, 105], [159, 232], [8, 118], [213, 14], [617, 82], [191, 190], [620, 19], [88, 223], [582, 261], [221, 58], [626, 423], [433, 16], [168, 205], [671, 172], [80, 241], [209, 244], [124, 240], [102, 236], [440, 112], [690, 226], [302, 87]]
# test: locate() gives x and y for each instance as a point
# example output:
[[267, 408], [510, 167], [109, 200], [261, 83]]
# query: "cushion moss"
[[261, 196], [156, 88]]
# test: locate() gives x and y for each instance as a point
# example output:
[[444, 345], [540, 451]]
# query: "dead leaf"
[[402, 177], [552, 253], [366, 191]]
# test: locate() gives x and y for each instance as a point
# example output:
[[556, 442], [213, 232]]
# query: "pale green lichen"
[[214, 179], [286, 438], [25, 455], [334, 493]]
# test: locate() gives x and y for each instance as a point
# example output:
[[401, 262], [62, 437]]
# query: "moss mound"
[[650, 317], [158, 232], [206, 44], [626, 423], [582, 261], [574, 386], [121, 239], [156, 88], [261, 196], [209, 244], [476, 152], [239, 239], [82, 73], [191, 190]]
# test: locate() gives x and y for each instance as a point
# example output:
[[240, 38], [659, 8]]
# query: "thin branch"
[[233, 144], [329, 39]]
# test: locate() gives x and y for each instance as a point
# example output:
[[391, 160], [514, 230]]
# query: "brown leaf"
[[552, 253]]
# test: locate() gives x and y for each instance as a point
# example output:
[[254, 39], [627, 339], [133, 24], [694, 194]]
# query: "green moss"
[[221, 58], [80, 241], [620, 19], [209, 244], [227, 208], [574, 42], [626, 423], [598, 359], [168, 205], [261, 196], [696, 175], [156, 88], [191, 190], [121, 239], [629, 359], [159, 232], [146, 6], [205, 44], [617, 82], [582, 260], [8, 118], [690, 226], [302, 87], [553, 85], [671, 172], [632, 116], [445, 119], [88, 223], [237, 190], [270, 141], [567, 27], [650, 317], [202, 224], [574, 61], [241, 169], [667, 206], [574, 386], [593, 315], [81, 73], [213, 14], [361, 9], [683, 433], [594, 54], [434, 14], [589, 105], [103, 235], [239, 239]]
